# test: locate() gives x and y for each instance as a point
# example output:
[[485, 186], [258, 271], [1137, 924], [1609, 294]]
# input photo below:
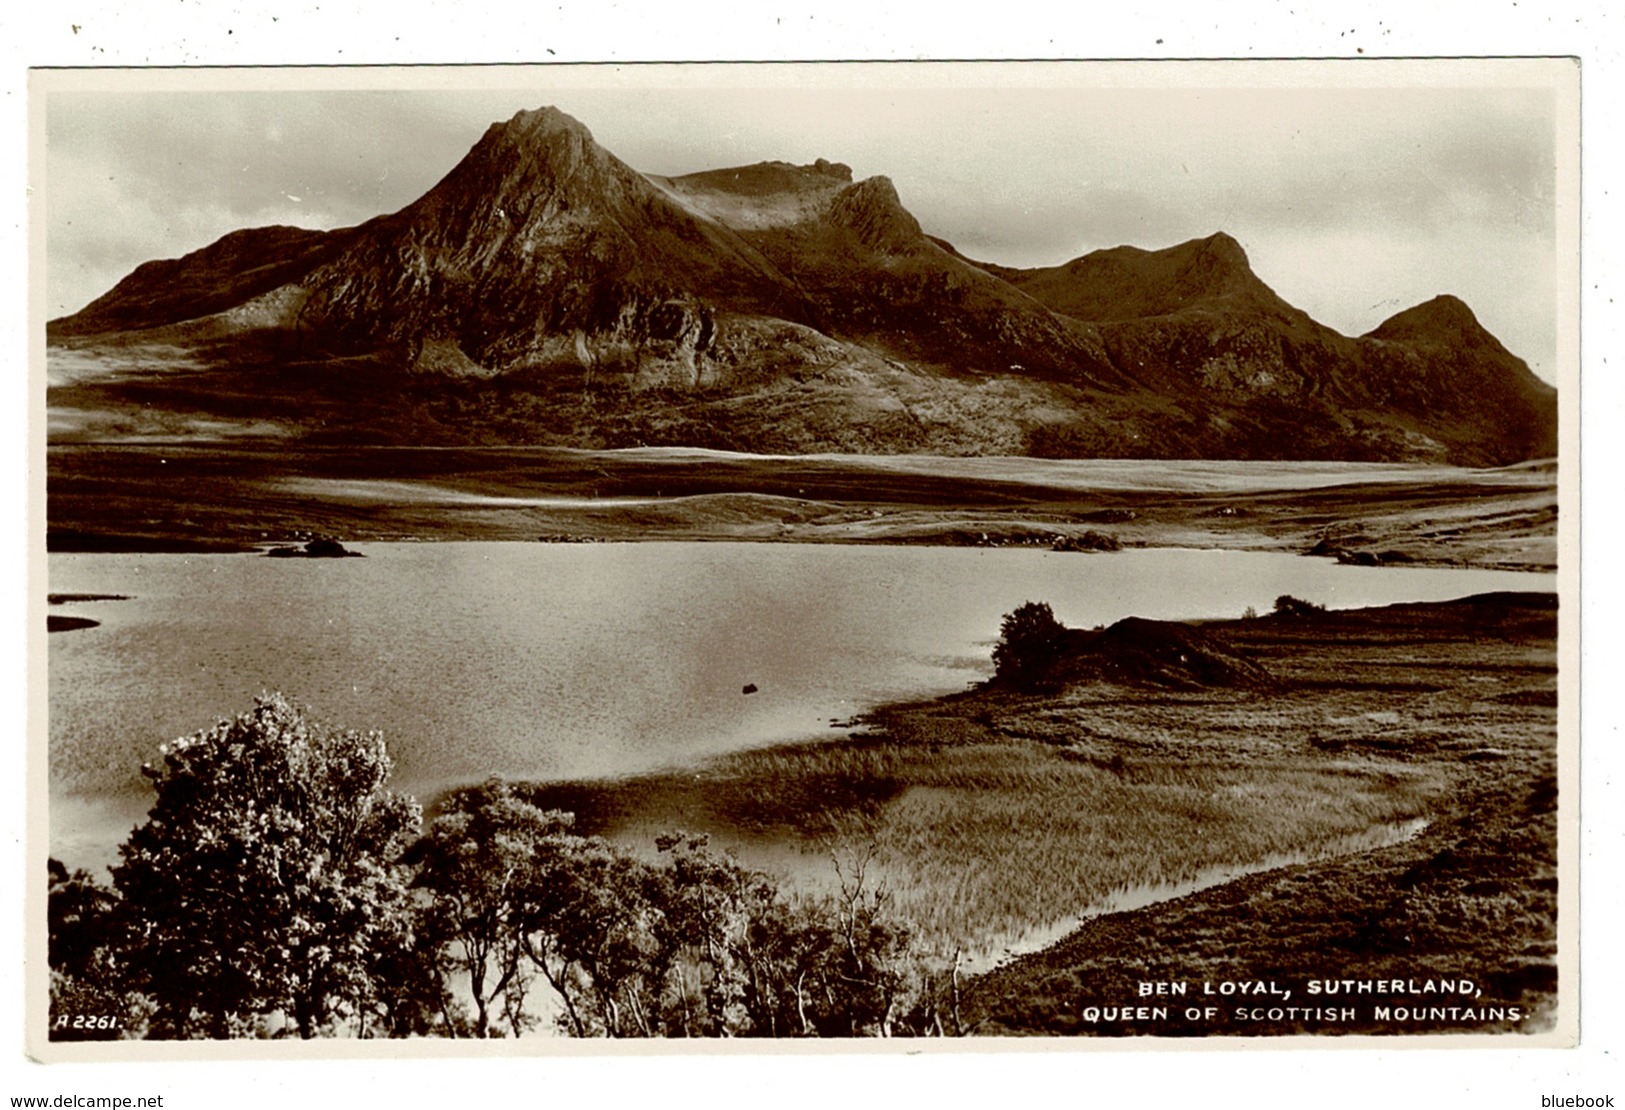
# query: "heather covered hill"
[[1436, 358], [546, 292], [238, 268], [1127, 283]]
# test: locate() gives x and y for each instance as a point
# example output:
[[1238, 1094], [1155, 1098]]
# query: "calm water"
[[562, 661]]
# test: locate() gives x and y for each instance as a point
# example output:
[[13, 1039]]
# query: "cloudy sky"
[[1354, 198]]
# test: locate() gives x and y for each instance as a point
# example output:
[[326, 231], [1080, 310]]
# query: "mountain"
[[545, 291]]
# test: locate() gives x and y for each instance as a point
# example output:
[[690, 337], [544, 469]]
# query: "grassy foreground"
[[1382, 809]]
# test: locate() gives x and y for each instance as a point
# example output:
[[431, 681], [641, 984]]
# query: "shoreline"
[[996, 801], [1530, 553], [225, 498]]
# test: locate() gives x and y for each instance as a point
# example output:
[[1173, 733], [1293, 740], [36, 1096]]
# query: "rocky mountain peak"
[[1221, 251], [539, 131], [873, 210], [531, 121], [1127, 282], [838, 170], [1442, 318], [1212, 266], [535, 153], [763, 180]]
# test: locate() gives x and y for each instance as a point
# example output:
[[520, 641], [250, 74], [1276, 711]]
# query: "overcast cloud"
[[1352, 203]]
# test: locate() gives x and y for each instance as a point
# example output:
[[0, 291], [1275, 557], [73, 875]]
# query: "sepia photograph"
[[934, 553]]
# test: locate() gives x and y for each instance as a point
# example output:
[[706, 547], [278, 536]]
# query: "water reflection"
[[575, 661]]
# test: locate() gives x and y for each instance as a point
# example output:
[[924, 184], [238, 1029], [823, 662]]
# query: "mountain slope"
[[876, 278], [544, 291], [241, 266]]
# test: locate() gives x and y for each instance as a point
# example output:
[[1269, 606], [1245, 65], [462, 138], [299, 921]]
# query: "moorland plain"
[[220, 497]]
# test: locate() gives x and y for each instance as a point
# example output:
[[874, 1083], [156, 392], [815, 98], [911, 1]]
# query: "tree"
[[766, 965], [856, 958], [91, 990], [486, 863], [265, 888], [720, 922], [690, 945], [1028, 640], [512, 891], [277, 886], [601, 923]]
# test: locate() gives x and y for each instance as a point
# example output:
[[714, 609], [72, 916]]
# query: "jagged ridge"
[[800, 309]]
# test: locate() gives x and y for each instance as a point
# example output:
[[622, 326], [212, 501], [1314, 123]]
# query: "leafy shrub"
[[1288, 606], [278, 888], [1029, 638], [264, 884]]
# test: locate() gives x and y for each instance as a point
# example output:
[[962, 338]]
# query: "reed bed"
[[988, 832]]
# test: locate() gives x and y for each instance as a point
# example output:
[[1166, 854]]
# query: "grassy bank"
[[1463, 693], [998, 817], [1474, 896], [984, 839]]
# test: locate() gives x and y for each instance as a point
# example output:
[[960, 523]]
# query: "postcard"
[[544, 559]]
